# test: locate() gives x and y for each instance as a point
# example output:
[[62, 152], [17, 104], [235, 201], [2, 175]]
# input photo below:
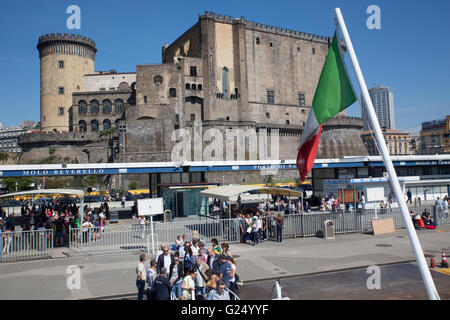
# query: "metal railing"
[[129, 238], [344, 221], [26, 245]]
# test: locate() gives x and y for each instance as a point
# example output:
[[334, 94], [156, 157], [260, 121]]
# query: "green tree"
[[132, 185], [4, 157], [22, 183]]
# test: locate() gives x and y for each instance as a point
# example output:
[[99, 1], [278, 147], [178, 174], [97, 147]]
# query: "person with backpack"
[[150, 278], [176, 275], [188, 260]]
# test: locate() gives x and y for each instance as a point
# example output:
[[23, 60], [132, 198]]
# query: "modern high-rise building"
[[383, 103]]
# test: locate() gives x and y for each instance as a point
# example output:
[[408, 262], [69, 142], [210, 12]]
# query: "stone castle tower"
[[65, 59]]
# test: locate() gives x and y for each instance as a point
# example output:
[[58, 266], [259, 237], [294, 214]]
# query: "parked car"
[[11, 203], [42, 201], [90, 199]]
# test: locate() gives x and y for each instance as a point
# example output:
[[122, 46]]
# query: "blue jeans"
[[176, 288], [200, 290], [255, 238], [141, 288]]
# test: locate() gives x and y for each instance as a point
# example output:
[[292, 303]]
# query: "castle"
[[225, 72]]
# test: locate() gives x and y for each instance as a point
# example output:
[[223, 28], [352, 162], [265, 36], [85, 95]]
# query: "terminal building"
[[179, 183]]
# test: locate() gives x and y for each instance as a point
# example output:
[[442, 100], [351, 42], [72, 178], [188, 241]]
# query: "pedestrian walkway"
[[115, 274]]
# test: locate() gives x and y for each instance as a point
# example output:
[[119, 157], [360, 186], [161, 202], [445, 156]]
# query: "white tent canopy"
[[231, 192], [79, 193]]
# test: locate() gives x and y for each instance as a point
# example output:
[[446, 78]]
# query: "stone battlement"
[[60, 137], [68, 37], [267, 28]]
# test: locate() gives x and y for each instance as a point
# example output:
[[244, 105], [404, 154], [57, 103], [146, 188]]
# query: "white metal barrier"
[[26, 245]]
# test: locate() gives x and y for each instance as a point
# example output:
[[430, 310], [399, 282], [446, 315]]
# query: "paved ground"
[[397, 282], [115, 274]]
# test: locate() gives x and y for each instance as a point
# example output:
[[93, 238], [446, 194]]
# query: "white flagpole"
[[395, 185]]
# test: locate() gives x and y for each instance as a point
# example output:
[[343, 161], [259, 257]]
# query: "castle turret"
[[65, 59]]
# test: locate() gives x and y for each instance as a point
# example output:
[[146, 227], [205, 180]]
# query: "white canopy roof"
[[231, 192], [79, 193]]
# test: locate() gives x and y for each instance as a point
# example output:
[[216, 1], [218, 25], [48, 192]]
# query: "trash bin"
[[328, 229]]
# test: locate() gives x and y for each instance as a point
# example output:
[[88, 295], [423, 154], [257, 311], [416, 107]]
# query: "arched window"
[[188, 86], [257, 40], [94, 106], [118, 105], [82, 126], [82, 107], [106, 124], [194, 86], [94, 125], [106, 106], [172, 92], [287, 122], [225, 82], [199, 87]]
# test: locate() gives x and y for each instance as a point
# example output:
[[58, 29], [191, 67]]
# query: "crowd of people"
[[58, 216], [189, 270]]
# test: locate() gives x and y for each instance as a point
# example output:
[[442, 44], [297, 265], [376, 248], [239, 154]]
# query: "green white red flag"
[[334, 93]]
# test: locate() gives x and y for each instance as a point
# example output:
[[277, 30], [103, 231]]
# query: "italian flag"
[[334, 93]]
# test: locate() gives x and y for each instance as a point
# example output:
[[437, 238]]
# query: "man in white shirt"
[[141, 275]]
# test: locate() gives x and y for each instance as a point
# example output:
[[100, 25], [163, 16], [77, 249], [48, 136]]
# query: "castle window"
[[271, 44], [199, 87], [192, 117], [82, 126], [228, 118], [145, 99], [301, 99], [94, 125], [60, 111], [287, 122], [177, 118], [172, 92], [313, 51], [94, 106], [192, 100], [106, 106], [106, 124], [257, 40], [188, 86], [61, 90], [82, 107], [193, 71], [303, 111], [61, 64], [267, 115], [118, 105], [194, 86], [298, 49], [270, 97], [225, 82]]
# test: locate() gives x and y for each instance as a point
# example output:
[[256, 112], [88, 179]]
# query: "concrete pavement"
[[115, 274]]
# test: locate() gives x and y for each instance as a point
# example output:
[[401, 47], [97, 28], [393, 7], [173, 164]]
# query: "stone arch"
[[124, 86]]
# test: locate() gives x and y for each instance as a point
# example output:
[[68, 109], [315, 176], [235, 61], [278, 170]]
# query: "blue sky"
[[409, 53]]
